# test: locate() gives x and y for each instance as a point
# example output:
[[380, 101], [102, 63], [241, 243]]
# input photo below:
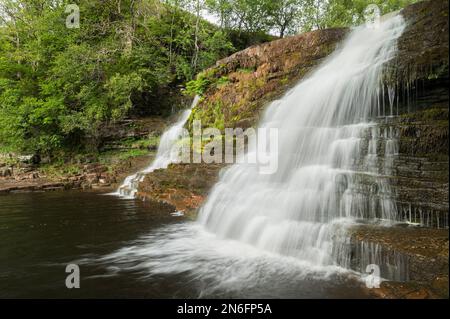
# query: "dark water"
[[40, 233]]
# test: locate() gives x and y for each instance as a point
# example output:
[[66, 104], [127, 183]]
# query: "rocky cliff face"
[[421, 79], [423, 47], [237, 89]]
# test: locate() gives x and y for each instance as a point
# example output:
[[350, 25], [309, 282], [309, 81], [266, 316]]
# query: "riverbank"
[[132, 145], [95, 176]]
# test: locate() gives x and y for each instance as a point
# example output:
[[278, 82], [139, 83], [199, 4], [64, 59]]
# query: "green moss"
[[150, 142], [432, 114], [240, 102], [60, 169], [224, 80], [219, 119], [112, 157], [284, 81], [246, 70]]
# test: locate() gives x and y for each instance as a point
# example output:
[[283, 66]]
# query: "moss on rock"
[[236, 89]]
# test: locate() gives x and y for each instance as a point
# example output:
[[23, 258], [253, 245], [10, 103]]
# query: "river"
[[113, 241]]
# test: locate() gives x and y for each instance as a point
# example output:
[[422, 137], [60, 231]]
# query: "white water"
[[256, 228], [164, 155], [324, 165]]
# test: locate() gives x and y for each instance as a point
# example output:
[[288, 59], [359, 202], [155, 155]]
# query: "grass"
[[132, 153], [224, 80], [246, 70], [129, 148], [59, 169], [114, 156], [152, 141]]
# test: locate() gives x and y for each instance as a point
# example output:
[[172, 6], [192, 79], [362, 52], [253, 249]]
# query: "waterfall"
[[333, 171], [164, 155], [328, 175]]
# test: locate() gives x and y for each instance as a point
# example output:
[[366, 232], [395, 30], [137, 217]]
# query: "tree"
[[223, 9], [242, 15], [313, 16], [320, 14], [59, 86], [285, 15], [196, 36]]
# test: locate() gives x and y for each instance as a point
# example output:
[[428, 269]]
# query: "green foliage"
[[319, 14], [246, 70], [285, 17], [204, 81], [242, 40], [60, 86], [144, 143], [201, 83], [224, 80], [132, 153], [59, 169], [219, 119]]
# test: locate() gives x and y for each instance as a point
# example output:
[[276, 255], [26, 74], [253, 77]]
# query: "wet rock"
[[45, 160], [99, 186], [395, 290], [423, 46], [183, 186], [419, 255], [92, 178], [152, 147], [420, 179], [53, 188]]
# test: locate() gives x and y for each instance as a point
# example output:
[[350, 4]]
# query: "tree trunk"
[[197, 22], [282, 30]]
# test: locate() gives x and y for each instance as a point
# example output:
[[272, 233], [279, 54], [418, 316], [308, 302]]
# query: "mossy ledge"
[[237, 88]]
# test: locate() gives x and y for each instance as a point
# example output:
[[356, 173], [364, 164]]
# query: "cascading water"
[[291, 225], [324, 164], [164, 155]]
